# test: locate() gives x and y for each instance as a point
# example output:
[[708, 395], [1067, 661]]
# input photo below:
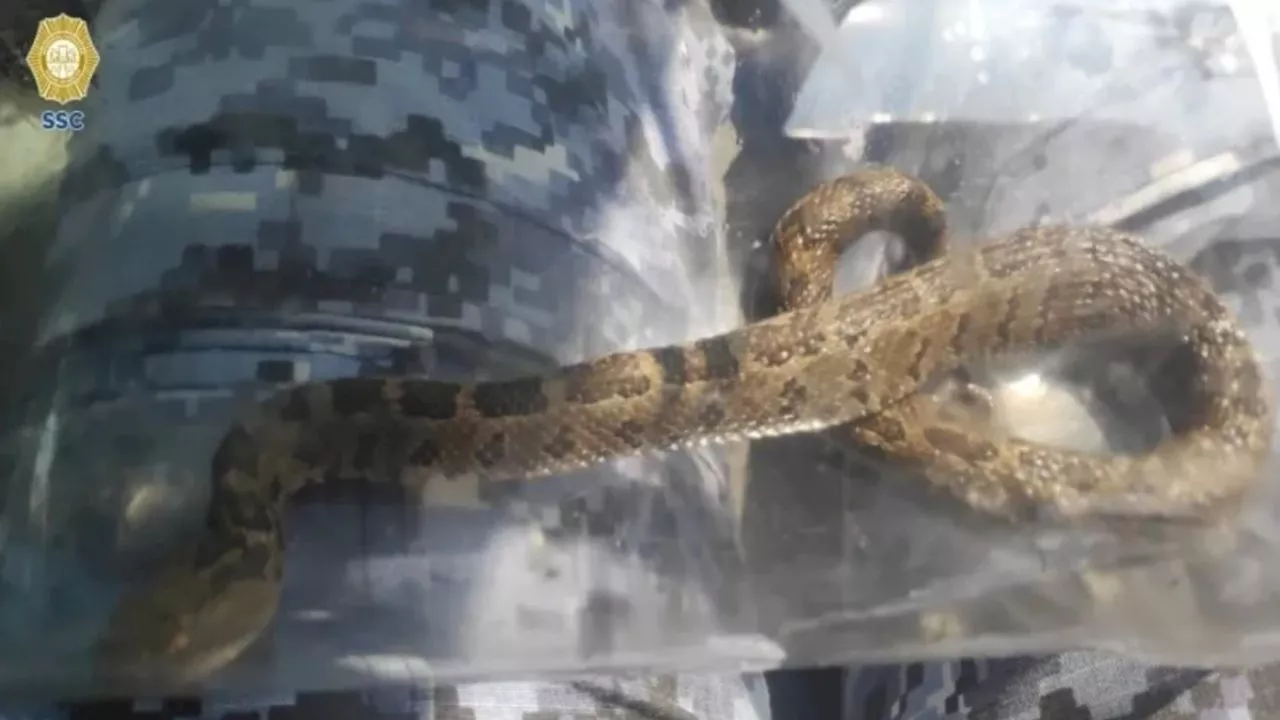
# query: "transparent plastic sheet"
[[1028, 62], [1156, 117], [637, 565], [279, 193]]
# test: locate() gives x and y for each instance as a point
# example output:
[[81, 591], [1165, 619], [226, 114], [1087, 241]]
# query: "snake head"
[[187, 622]]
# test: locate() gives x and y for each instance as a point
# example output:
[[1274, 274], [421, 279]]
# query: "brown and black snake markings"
[[858, 360]]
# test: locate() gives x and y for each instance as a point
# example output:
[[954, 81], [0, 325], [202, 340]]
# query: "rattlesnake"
[[859, 360]]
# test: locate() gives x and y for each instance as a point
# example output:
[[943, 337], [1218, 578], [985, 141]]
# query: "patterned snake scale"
[[861, 360]]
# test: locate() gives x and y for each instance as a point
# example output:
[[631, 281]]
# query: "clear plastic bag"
[[1154, 117], [1160, 63], [272, 195]]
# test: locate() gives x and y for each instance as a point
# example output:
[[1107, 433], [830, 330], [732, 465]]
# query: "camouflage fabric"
[[457, 189], [659, 697], [297, 205], [1070, 686]]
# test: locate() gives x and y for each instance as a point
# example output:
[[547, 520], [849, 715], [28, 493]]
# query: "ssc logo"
[[62, 60], [62, 120]]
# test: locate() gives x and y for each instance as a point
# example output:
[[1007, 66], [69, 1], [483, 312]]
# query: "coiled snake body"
[[858, 360]]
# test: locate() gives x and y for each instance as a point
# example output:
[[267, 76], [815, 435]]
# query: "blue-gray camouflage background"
[[272, 192]]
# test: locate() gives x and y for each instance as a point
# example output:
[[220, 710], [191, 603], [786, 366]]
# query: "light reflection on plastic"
[[1031, 385], [43, 466], [387, 667], [979, 61], [860, 14], [314, 616], [1258, 25]]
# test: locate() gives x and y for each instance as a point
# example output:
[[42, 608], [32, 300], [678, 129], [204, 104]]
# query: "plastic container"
[[1153, 117], [269, 195]]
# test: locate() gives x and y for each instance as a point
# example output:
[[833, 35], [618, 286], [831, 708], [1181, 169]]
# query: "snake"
[[858, 362]]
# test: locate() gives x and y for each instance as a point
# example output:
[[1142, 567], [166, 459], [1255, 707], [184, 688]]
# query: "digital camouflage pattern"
[[463, 189], [342, 163], [1070, 686], [662, 697]]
